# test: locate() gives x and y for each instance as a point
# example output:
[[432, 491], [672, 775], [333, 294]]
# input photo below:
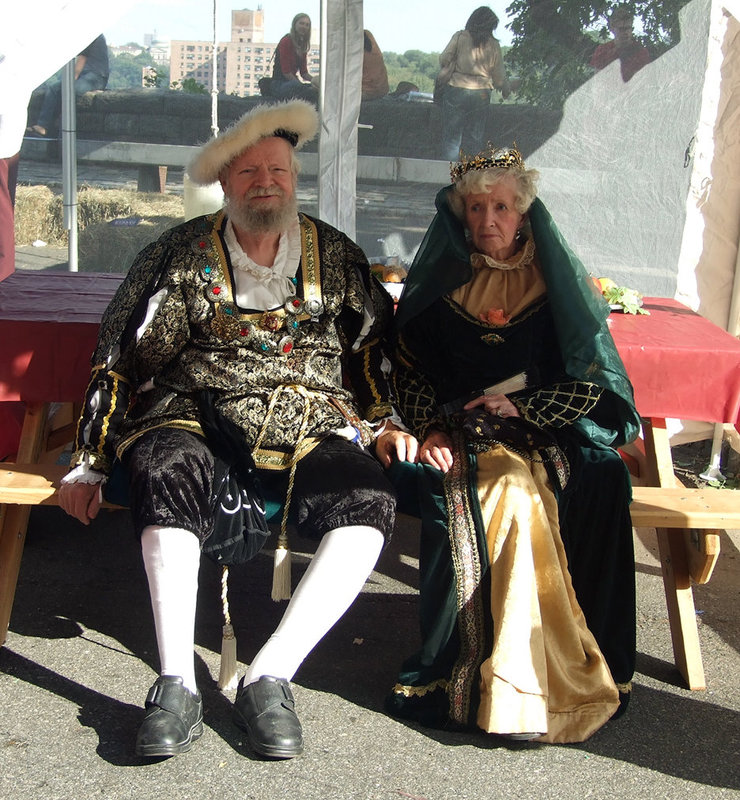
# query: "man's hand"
[[80, 500], [395, 443], [436, 450]]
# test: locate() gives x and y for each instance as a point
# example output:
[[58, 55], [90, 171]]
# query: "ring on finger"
[[499, 412]]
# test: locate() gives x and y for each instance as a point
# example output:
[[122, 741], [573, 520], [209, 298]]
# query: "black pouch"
[[483, 429], [240, 527]]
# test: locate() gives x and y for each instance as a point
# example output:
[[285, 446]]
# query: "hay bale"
[[108, 247], [38, 215]]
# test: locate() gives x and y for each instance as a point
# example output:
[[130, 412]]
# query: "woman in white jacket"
[[472, 66]]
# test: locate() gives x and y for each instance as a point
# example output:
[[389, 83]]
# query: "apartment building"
[[240, 63]]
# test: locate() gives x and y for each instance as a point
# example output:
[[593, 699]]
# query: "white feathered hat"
[[296, 120]]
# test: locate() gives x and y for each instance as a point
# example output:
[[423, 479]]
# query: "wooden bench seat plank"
[[652, 507], [33, 484], [661, 507]]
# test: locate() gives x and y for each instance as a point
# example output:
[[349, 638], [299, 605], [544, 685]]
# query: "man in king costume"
[[276, 316]]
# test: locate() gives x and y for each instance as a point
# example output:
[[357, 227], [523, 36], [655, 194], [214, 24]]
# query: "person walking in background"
[[471, 66], [290, 75], [91, 73]]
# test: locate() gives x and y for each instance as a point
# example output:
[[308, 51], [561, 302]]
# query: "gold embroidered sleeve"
[[558, 405], [118, 359], [367, 364], [415, 397]]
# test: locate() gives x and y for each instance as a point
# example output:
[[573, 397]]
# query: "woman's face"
[[303, 26], [493, 221]]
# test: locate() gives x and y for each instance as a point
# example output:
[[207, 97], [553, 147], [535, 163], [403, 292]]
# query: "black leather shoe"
[[173, 719], [265, 711]]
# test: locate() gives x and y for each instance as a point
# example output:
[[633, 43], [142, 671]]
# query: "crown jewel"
[[505, 157]]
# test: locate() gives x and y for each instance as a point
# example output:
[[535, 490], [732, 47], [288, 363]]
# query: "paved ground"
[[80, 656]]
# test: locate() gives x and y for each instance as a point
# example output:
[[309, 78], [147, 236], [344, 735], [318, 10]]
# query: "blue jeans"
[[88, 81], [464, 117]]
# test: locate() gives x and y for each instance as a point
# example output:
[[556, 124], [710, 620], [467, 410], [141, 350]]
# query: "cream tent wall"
[[708, 273], [643, 176]]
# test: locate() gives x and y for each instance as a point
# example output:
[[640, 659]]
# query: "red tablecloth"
[[48, 328], [680, 364]]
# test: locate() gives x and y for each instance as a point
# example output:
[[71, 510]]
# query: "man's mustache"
[[264, 192]]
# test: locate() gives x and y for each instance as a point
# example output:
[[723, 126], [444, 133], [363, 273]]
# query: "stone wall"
[[400, 128]]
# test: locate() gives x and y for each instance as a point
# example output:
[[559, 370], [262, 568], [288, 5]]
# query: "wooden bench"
[[687, 522]]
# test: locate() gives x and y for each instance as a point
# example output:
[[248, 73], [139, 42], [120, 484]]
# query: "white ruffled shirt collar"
[[260, 287]]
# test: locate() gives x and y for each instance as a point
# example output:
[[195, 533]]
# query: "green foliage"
[[554, 40], [189, 86], [126, 71], [413, 66]]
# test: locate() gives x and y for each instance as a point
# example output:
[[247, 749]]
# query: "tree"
[[189, 86], [414, 66], [554, 40], [126, 70]]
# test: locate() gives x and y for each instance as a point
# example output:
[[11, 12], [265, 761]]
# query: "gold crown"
[[505, 157]]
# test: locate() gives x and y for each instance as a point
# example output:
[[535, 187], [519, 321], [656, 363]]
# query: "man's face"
[[259, 186], [621, 29]]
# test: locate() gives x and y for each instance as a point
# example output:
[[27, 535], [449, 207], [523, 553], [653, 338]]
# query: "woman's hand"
[[497, 404], [436, 450], [395, 443]]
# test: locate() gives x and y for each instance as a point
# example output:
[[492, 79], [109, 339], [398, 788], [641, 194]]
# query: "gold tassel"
[[227, 678], [281, 573]]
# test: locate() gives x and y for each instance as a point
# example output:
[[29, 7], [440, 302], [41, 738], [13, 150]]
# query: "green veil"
[[580, 313]]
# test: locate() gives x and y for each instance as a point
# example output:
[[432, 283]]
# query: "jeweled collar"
[[270, 332], [521, 259]]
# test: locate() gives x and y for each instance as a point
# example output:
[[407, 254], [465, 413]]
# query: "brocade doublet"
[[280, 375]]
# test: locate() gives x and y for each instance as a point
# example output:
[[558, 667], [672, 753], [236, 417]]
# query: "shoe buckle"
[[155, 694]]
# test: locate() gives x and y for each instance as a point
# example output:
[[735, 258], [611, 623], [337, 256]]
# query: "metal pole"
[[214, 77], [323, 35], [69, 160], [714, 470]]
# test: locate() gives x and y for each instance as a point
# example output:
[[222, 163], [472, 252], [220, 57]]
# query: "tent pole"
[[323, 38], [714, 470], [69, 160], [214, 77]]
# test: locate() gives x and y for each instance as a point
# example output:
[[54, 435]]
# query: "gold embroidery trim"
[[227, 324], [182, 424], [468, 572], [107, 418], [310, 259], [420, 691]]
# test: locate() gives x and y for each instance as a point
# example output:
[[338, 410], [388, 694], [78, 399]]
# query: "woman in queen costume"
[[509, 378]]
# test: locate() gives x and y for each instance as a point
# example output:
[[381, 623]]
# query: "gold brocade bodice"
[[499, 290]]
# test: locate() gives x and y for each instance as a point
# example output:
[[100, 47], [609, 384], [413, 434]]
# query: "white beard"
[[262, 220]]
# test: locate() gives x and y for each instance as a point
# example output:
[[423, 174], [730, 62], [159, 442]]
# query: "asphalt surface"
[[80, 656]]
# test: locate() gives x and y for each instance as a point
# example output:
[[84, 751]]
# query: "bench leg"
[[14, 519], [152, 178], [681, 612], [674, 563]]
